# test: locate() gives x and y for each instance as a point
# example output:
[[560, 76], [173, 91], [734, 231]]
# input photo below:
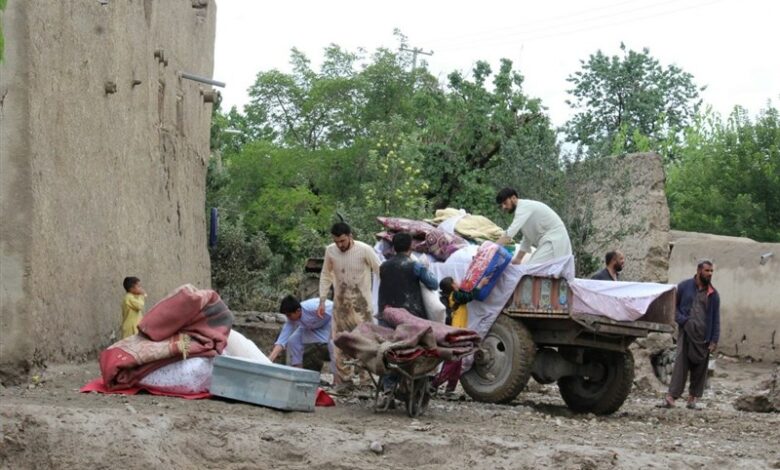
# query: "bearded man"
[[614, 261], [541, 228], [698, 318]]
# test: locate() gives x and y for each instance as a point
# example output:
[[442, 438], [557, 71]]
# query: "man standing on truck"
[[698, 318], [614, 260], [347, 267], [540, 225]]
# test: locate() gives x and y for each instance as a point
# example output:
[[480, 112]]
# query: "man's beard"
[[618, 268], [704, 280]]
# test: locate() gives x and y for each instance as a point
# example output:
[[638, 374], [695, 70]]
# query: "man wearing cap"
[[541, 228]]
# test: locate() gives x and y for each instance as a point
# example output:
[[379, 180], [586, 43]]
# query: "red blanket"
[[446, 336], [189, 322]]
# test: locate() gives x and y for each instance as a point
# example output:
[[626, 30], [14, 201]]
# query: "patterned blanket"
[[461, 340], [189, 322]]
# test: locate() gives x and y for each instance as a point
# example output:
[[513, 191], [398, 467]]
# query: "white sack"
[[433, 307], [239, 345], [191, 375]]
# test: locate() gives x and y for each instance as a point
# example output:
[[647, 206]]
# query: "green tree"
[[305, 108], [727, 179], [367, 135], [482, 130], [630, 103]]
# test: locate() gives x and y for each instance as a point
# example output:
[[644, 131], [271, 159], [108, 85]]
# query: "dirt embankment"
[[51, 425]]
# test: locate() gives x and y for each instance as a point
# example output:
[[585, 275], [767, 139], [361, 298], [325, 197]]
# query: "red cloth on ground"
[[323, 399], [99, 386], [189, 322]]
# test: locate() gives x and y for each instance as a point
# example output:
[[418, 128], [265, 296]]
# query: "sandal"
[[665, 404]]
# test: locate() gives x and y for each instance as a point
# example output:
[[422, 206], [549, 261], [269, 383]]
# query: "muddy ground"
[[47, 423]]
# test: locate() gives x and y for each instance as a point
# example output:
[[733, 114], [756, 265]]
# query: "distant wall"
[[750, 306], [102, 165], [619, 203]]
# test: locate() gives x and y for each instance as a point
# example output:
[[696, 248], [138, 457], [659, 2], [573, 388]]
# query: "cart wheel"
[[417, 400]]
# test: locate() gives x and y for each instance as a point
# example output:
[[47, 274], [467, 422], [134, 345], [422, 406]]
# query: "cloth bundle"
[[415, 228], [425, 237], [189, 322], [415, 343], [441, 244], [460, 340], [372, 345], [474, 227], [490, 261], [190, 376]]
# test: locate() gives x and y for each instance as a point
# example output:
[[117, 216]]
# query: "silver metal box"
[[272, 385]]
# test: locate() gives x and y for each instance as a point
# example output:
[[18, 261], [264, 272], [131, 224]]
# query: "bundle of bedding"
[[425, 237], [190, 322]]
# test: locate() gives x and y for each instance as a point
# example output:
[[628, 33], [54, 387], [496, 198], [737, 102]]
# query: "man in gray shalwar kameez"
[[698, 318]]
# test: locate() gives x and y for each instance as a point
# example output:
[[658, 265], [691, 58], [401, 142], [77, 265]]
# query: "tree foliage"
[[727, 179], [629, 104], [367, 135]]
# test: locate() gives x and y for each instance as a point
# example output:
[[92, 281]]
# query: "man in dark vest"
[[698, 318], [399, 287], [400, 278], [614, 261]]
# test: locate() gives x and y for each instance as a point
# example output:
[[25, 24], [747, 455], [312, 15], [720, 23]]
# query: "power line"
[[587, 13], [532, 37], [537, 28]]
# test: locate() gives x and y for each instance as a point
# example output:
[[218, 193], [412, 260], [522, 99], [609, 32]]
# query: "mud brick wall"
[[619, 203], [103, 160]]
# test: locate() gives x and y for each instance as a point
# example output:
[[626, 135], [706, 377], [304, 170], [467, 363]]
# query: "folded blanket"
[[189, 322], [441, 244], [445, 336], [475, 227], [415, 228]]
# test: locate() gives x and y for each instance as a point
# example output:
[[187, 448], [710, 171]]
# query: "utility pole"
[[414, 52]]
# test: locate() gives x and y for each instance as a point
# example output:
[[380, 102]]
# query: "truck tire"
[[604, 396], [503, 366]]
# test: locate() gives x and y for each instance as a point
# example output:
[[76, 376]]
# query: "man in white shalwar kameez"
[[541, 228]]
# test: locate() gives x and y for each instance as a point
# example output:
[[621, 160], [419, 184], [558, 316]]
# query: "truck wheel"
[[503, 364], [606, 394]]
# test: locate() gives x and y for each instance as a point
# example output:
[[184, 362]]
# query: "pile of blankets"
[[469, 226], [443, 235], [425, 237], [190, 322], [413, 338]]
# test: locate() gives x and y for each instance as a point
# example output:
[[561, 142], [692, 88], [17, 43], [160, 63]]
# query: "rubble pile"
[[764, 399]]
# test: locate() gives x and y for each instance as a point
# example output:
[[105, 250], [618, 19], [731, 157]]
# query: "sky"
[[730, 46]]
